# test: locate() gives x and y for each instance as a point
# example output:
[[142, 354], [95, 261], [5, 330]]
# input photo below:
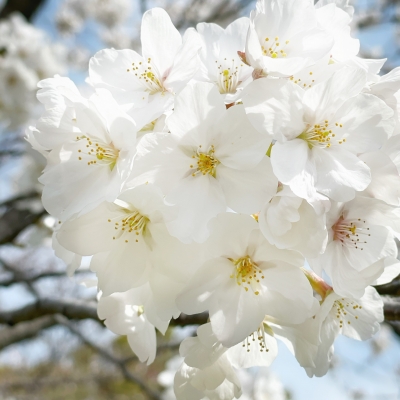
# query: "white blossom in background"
[[26, 57], [208, 174], [72, 14]]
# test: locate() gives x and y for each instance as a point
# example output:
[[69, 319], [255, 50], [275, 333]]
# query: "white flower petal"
[[160, 39], [246, 191]]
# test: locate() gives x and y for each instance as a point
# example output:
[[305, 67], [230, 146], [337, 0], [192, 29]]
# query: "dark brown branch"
[[72, 309], [8, 281], [392, 308], [396, 326], [14, 221], [26, 7], [25, 330], [76, 309], [16, 275], [24, 196], [391, 288], [196, 319]]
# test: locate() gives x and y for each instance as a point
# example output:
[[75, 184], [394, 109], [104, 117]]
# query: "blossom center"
[[306, 82], [206, 162], [258, 335], [247, 274], [322, 135], [146, 73], [229, 76], [351, 233], [99, 153], [128, 224], [344, 309], [274, 48]]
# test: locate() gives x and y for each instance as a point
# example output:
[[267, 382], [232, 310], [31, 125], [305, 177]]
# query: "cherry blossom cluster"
[[110, 14], [26, 56], [250, 174]]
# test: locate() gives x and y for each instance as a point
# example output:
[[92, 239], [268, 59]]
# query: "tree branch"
[[76, 309], [25, 330], [392, 308], [26, 7], [8, 281], [15, 221], [71, 309], [391, 288], [110, 357], [24, 196], [184, 320], [79, 309]]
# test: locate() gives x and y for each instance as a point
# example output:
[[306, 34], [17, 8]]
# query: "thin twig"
[[24, 196], [110, 357], [25, 330], [8, 281], [70, 308], [14, 221]]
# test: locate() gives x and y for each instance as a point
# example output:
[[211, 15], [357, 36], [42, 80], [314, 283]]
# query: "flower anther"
[[206, 162], [322, 135], [258, 335], [247, 274], [344, 309], [274, 48], [349, 232], [228, 76], [147, 74], [131, 222], [101, 153]]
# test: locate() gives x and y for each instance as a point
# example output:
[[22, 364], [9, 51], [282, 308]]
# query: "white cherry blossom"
[[145, 85], [207, 369], [356, 318], [220, 62], [289, 222], [335, 21], [284, 37], [212, 159], [120, 236], [320, 132], [90, 152], [27, 56], [342, 4], [245, 279], [125, 314], [357, 247], [385, 178], [207, 174]]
